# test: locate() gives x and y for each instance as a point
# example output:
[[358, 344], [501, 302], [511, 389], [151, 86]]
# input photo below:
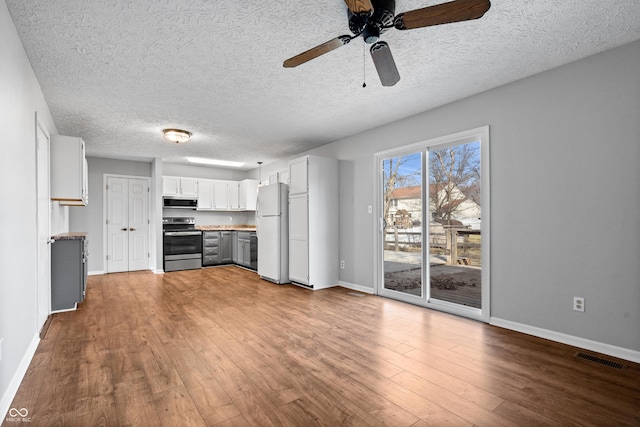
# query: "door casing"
[[477, 134]]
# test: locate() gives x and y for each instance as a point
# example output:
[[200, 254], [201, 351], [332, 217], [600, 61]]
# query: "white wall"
[[564, 141], [20, 98]]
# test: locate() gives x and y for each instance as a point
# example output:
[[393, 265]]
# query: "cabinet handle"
[[123, 229], [132, 229]]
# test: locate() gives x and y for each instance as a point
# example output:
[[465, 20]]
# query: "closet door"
[[127, 224]]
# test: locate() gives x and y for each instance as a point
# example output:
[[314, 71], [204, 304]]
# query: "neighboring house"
[[407, 202]]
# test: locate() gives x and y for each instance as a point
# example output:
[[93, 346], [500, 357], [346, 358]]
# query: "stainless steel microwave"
[[175, 203]]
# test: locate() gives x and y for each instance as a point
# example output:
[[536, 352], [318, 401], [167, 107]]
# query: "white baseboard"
[[95, 273], [354, 287], [160, 271], [11, 391], [611, 350]]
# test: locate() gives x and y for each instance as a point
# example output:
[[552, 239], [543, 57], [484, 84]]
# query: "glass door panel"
[[455, 234], [402, 208]]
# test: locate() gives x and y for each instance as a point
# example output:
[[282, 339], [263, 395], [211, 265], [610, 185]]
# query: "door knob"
[[132, 229], [123, 229]]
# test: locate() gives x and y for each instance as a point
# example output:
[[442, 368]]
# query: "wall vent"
[[599, 360]]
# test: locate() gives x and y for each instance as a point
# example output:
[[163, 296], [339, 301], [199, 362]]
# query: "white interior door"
[[43, 225], [117, 225], [127, 224], [138, 224]]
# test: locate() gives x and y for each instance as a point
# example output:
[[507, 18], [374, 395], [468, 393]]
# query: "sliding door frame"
[[480, 134]]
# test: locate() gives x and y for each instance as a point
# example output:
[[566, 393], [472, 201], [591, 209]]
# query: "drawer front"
[[211, 243], [208, 251], [210, 260]]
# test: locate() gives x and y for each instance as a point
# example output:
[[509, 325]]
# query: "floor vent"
[[355, 294], [600, 360]]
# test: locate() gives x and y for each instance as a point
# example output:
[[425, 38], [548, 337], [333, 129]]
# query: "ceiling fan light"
[[176, 135]]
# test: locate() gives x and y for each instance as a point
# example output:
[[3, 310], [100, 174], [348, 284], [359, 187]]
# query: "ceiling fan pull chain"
[[364, 66]]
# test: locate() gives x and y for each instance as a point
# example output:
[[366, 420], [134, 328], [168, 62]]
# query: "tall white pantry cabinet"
[[313, 222]]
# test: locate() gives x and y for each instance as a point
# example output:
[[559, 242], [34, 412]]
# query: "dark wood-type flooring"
[[220, 347]]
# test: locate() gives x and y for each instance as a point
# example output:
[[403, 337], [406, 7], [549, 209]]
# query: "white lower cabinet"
[[299, 239]]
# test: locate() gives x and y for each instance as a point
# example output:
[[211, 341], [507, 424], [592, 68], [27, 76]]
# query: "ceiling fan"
[[371, 18]]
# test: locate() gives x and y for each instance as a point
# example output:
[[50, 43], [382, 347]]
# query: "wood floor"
[[220, 347]]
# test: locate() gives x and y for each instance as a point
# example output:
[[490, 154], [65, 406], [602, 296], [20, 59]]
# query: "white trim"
[[317, 288], [158, 271], [472, 135], [599, 347], [354, 287], [95, 273], [105, 213], [15, 382]]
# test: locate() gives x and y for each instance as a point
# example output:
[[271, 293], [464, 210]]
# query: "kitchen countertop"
[[70, 236], [226, 227]]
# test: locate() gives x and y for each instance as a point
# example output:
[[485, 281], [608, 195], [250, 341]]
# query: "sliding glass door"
[[402, 224], [433, 208]]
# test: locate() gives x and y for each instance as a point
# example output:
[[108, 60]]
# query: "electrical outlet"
[[578, 304], [342, 264], [370, 209]]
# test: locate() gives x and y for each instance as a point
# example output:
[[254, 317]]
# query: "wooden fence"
[[465, 251]]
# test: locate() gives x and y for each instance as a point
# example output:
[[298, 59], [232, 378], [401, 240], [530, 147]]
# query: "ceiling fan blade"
[[385, 65], [314, 52], [445, 13], [358, 7]]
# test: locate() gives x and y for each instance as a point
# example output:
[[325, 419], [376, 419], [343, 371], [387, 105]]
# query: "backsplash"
[[214, 218]]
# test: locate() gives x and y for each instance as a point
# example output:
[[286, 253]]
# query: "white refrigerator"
[[272, 219]]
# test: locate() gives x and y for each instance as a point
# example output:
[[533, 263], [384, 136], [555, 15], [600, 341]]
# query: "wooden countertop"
[[226, 227], [70, 236]]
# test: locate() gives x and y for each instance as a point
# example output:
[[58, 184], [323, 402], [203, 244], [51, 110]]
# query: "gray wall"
[[90, 218], [565, 147]]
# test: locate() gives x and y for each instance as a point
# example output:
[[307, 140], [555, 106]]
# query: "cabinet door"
[[298, 176], [234, 195], [226, 246], [248, 194], [205, 194], [299, 239], [189, 187], [170, 186], [220, 195], [246, 255], [283, 177]]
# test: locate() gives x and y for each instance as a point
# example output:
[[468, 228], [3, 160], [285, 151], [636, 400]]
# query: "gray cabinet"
[[247, 249], [225, 247], [216, 248], [68, 273], [211, 248]]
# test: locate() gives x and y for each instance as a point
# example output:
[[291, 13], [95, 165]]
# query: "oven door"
[[182, 243]]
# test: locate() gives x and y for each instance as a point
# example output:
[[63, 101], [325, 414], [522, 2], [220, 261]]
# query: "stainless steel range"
[[182, 244]]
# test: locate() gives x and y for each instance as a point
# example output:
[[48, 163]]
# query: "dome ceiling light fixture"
[[176, 135]]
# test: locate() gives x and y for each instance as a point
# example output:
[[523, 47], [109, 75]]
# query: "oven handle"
[[183, 233]]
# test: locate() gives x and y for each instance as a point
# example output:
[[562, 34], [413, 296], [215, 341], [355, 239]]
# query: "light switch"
[[370, 209]]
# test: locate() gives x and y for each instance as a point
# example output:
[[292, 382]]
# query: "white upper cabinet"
[[69, 183], [248, 194], [221, 195], [281, 177], [234, 195], [298, 176], [178, 186], [205, 194]]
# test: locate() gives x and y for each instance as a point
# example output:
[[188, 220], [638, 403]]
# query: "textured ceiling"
[[116, 72]]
